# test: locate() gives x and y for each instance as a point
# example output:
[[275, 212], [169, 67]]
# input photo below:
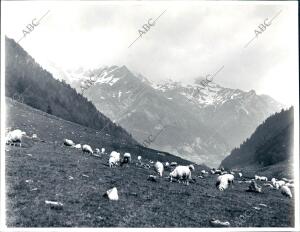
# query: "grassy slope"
[[142, 203]]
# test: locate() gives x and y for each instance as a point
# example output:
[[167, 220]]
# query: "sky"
[[189, 40]]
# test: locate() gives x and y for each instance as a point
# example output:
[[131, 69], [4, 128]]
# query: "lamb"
[[69, 142], [261, 178], [87, 148], [15, 136], [224, 181], [182, 173], [126, 158], [285, 191], [114, 159], [159, 168]]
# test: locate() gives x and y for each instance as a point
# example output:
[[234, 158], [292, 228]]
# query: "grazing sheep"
[[167, 164], [203, 172], [183, 173], [102, 150], [261, 178], [126, 159], [139, 158], [87, 148], [78, 146], [224, 181], [34, 136], [285, 191], [97, 151], [218, 172], [240, 174], [14, 137], [279, 184], [290, 185], [114, 159], [69, 142], [159, 168], [173, 164]]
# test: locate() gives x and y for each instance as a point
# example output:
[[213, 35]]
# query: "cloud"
[[189, 40]]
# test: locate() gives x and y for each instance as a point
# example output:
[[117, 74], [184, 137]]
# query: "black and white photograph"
[[149, 114]]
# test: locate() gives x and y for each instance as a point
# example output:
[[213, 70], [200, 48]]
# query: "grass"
[[141, 203]]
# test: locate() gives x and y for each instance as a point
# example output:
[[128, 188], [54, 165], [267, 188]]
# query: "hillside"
[[28, 82], [199, 119], [45, 169], [270, 144]]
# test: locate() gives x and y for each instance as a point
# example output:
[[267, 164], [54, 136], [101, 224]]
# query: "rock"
[[112, 194], [54, 204], [218, 223], [253, 187]]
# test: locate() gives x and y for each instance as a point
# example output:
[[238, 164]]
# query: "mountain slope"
[[271, 143], [202, 124], [48, 170], [28, 82]]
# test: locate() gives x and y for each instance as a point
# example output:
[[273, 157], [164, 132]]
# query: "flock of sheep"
[[178, 172]]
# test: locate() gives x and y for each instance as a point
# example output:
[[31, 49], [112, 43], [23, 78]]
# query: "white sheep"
[[261, 178], [279, 184], [69, 142], [97, 151], [78, 146], [102, 150], [224, 181], [34, 136], [114, 159], [159, 168], [87, 148], [183, 173], [240, 174], [167, 164], [285, 191], [139, 158], [15, 136], [203, 172]]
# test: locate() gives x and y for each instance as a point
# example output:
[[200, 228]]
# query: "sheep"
[[102, 150], [69, 142], [97, 151], [240, 174], [34, 136], [261, 178], [14, 137], [285, 191], [224, 181], [290, 185], [139, 158], [182, 173], [78, 146], [87, 148], [159, 168], [173, 164], [167, 164], [114, 159], [126, 158], [203, 172], [279, 184]]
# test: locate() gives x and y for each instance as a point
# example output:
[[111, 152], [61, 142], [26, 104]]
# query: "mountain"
[[270, 144], [202, 124], [28, 82]]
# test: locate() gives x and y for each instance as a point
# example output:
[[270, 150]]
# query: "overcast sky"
[[189, 40]]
